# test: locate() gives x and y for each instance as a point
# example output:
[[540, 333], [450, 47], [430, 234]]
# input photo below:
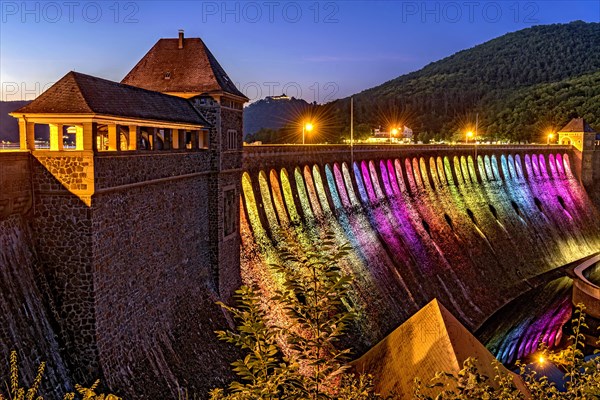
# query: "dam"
[[114, 252], [423, 222]]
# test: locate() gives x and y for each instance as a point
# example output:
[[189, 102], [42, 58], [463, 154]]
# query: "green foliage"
[[298, 358], [520, 84], [582, 377], [469, 384], [16, 392], [312, 296], [265, 135], [264, 372]]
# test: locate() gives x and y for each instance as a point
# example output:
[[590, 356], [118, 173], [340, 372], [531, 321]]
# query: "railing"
[[585, 291], [252, 150]]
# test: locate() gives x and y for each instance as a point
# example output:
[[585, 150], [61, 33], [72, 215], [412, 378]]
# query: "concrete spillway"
[[473, 232]]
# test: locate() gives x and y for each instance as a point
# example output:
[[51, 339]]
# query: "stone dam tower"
[[126, 237]]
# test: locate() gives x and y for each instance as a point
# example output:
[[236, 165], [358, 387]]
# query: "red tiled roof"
[[191, 69], [577, 125], [78, 93]]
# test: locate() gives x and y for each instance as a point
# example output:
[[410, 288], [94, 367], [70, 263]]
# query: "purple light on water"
[[528, 166], [341, 186], [375, 180], [560, 166], [543, 168], [385, 178], [552, 164], [535, 165], [519, 167], [360, 185], [400, 176], [367, 182]]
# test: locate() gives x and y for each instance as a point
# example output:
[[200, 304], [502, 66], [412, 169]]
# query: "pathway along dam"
[[474, 227]]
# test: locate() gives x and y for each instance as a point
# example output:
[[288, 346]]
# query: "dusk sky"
[[315, 50]]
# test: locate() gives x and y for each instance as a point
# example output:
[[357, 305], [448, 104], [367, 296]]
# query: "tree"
[[297, 358]]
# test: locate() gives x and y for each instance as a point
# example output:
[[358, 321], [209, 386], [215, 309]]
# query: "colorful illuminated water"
[[470, 232]]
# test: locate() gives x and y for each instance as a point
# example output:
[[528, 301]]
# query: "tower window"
[[168, 75], [231, 141]]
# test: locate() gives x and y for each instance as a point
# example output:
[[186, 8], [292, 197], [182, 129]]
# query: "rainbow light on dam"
[[471, 231]]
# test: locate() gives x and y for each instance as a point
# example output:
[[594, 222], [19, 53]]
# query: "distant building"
[[400, 136], [579, 134], [282, 97]]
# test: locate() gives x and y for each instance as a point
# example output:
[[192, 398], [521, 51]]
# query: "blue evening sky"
[[315, 50]]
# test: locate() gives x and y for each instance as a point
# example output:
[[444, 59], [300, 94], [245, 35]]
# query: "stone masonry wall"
[[225, 257], [62, 224], [155, 311], [24, 321], [230, 180], [15, 183]]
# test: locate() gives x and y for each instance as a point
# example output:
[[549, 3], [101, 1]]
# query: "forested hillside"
[[519, 83]]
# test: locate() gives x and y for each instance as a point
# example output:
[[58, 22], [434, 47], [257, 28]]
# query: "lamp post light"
[[469, 135], [306, 127], [393, 132], [550, 137]]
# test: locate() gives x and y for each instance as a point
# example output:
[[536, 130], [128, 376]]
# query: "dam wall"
[[472, 229], [109, 269], [25, 312]]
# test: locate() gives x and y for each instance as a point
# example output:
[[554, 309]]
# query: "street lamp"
[[306, 127], [394, 132], [550, 137], [469, 135]]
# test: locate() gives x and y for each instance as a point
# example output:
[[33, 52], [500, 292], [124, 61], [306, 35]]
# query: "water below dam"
[[472, 231]]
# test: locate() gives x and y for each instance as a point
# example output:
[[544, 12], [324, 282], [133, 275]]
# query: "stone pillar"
[[56, 137], [167, 139], [89, 136], [112, 137], [203, 139], [78, 137], [152, 138], [26, 135], [176, 139], [133, 137]]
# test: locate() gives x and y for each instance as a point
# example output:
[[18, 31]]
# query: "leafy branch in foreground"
[[16, 392], [299, 358]]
